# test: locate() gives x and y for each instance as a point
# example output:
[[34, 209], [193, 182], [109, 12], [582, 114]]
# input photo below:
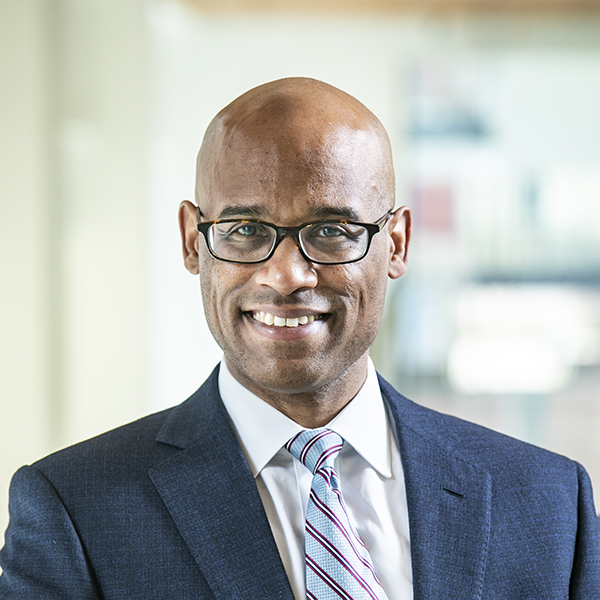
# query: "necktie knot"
[[315, 448]]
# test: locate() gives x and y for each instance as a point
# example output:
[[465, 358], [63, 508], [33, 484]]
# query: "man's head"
[[290, 152]]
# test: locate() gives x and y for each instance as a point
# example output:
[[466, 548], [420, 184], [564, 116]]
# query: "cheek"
[[366, 279], [211, 283], [372, 292], [209, 302], [220, 283]]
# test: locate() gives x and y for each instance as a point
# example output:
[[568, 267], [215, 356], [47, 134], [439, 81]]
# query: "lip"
[[286, 333]]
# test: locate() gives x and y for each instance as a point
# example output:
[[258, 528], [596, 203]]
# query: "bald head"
[[293, 137]]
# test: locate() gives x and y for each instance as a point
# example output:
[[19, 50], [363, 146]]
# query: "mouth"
[[278, 321]]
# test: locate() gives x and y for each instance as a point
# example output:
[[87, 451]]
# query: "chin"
[[287, 378]]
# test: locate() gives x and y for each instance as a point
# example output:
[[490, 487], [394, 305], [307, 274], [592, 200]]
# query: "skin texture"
[[288, 152]]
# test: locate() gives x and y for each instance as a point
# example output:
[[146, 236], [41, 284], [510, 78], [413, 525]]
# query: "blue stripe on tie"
[[351, 539], [328, 512], [327, 579], [340, 557]]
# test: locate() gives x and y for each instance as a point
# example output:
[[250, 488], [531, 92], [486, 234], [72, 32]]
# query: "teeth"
[[269, 319]]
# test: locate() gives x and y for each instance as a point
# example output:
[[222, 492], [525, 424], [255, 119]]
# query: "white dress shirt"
[[369, 469]]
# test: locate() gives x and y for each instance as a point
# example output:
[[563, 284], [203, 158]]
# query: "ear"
[[189, 236], [399, 232]]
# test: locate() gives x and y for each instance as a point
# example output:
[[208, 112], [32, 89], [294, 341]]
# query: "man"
[[294, 237]]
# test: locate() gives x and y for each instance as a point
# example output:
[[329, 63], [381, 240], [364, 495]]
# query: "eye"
[[246, 230], [335, 232], [329, 230], [243, 235]]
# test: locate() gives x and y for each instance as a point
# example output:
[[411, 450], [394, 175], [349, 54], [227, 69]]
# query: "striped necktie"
[[337, 563]]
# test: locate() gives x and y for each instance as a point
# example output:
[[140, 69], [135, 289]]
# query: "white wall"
[[72, 224], [24, 266]]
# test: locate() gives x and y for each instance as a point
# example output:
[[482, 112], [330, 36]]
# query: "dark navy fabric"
[[167, 508]]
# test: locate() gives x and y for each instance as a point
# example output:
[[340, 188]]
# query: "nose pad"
[[289, 247], [290, 237], [287, 270]]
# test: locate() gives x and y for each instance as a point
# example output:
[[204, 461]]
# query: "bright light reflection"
[[521, 339], [506, 364]]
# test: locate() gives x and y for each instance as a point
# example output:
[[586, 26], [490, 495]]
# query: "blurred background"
[[492, 107]]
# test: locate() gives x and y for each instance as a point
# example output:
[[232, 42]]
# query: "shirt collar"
[[262, 430]]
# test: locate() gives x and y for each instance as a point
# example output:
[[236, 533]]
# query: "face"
[[332, 312]]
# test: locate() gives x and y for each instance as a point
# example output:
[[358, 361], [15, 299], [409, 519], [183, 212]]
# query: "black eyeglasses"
[[247, 241]]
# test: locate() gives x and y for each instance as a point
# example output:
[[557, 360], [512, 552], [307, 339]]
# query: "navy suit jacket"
[[167, 508]]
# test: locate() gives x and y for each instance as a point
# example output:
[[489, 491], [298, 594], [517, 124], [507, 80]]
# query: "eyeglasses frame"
[[280, 232]]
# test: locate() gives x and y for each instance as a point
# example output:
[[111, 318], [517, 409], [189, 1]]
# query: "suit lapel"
[[212, 497], [449, 508]]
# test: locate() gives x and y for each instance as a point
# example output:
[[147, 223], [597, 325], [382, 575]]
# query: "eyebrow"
[[258, 212], [242, 210], [342, 212]]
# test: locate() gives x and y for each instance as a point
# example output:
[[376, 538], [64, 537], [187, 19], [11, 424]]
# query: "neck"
[[317, 406]]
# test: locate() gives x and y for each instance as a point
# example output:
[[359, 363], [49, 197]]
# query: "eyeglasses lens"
[[334, 242], [242, 241]]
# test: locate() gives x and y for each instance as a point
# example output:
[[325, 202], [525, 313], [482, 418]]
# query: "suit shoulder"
[[139, 445], [496, 452], [133, 443]]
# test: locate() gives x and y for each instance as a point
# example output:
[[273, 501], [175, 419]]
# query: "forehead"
[[299, 174]]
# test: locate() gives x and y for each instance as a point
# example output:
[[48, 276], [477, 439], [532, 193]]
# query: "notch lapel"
[[211, 495], [449, 508]]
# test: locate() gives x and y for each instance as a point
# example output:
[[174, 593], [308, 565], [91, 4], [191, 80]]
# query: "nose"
[[287, 271]]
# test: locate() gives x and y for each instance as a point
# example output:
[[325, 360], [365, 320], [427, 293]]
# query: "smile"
[[270, 319]]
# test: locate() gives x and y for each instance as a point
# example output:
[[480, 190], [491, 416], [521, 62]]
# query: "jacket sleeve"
[[585, 578], [43, 557]]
